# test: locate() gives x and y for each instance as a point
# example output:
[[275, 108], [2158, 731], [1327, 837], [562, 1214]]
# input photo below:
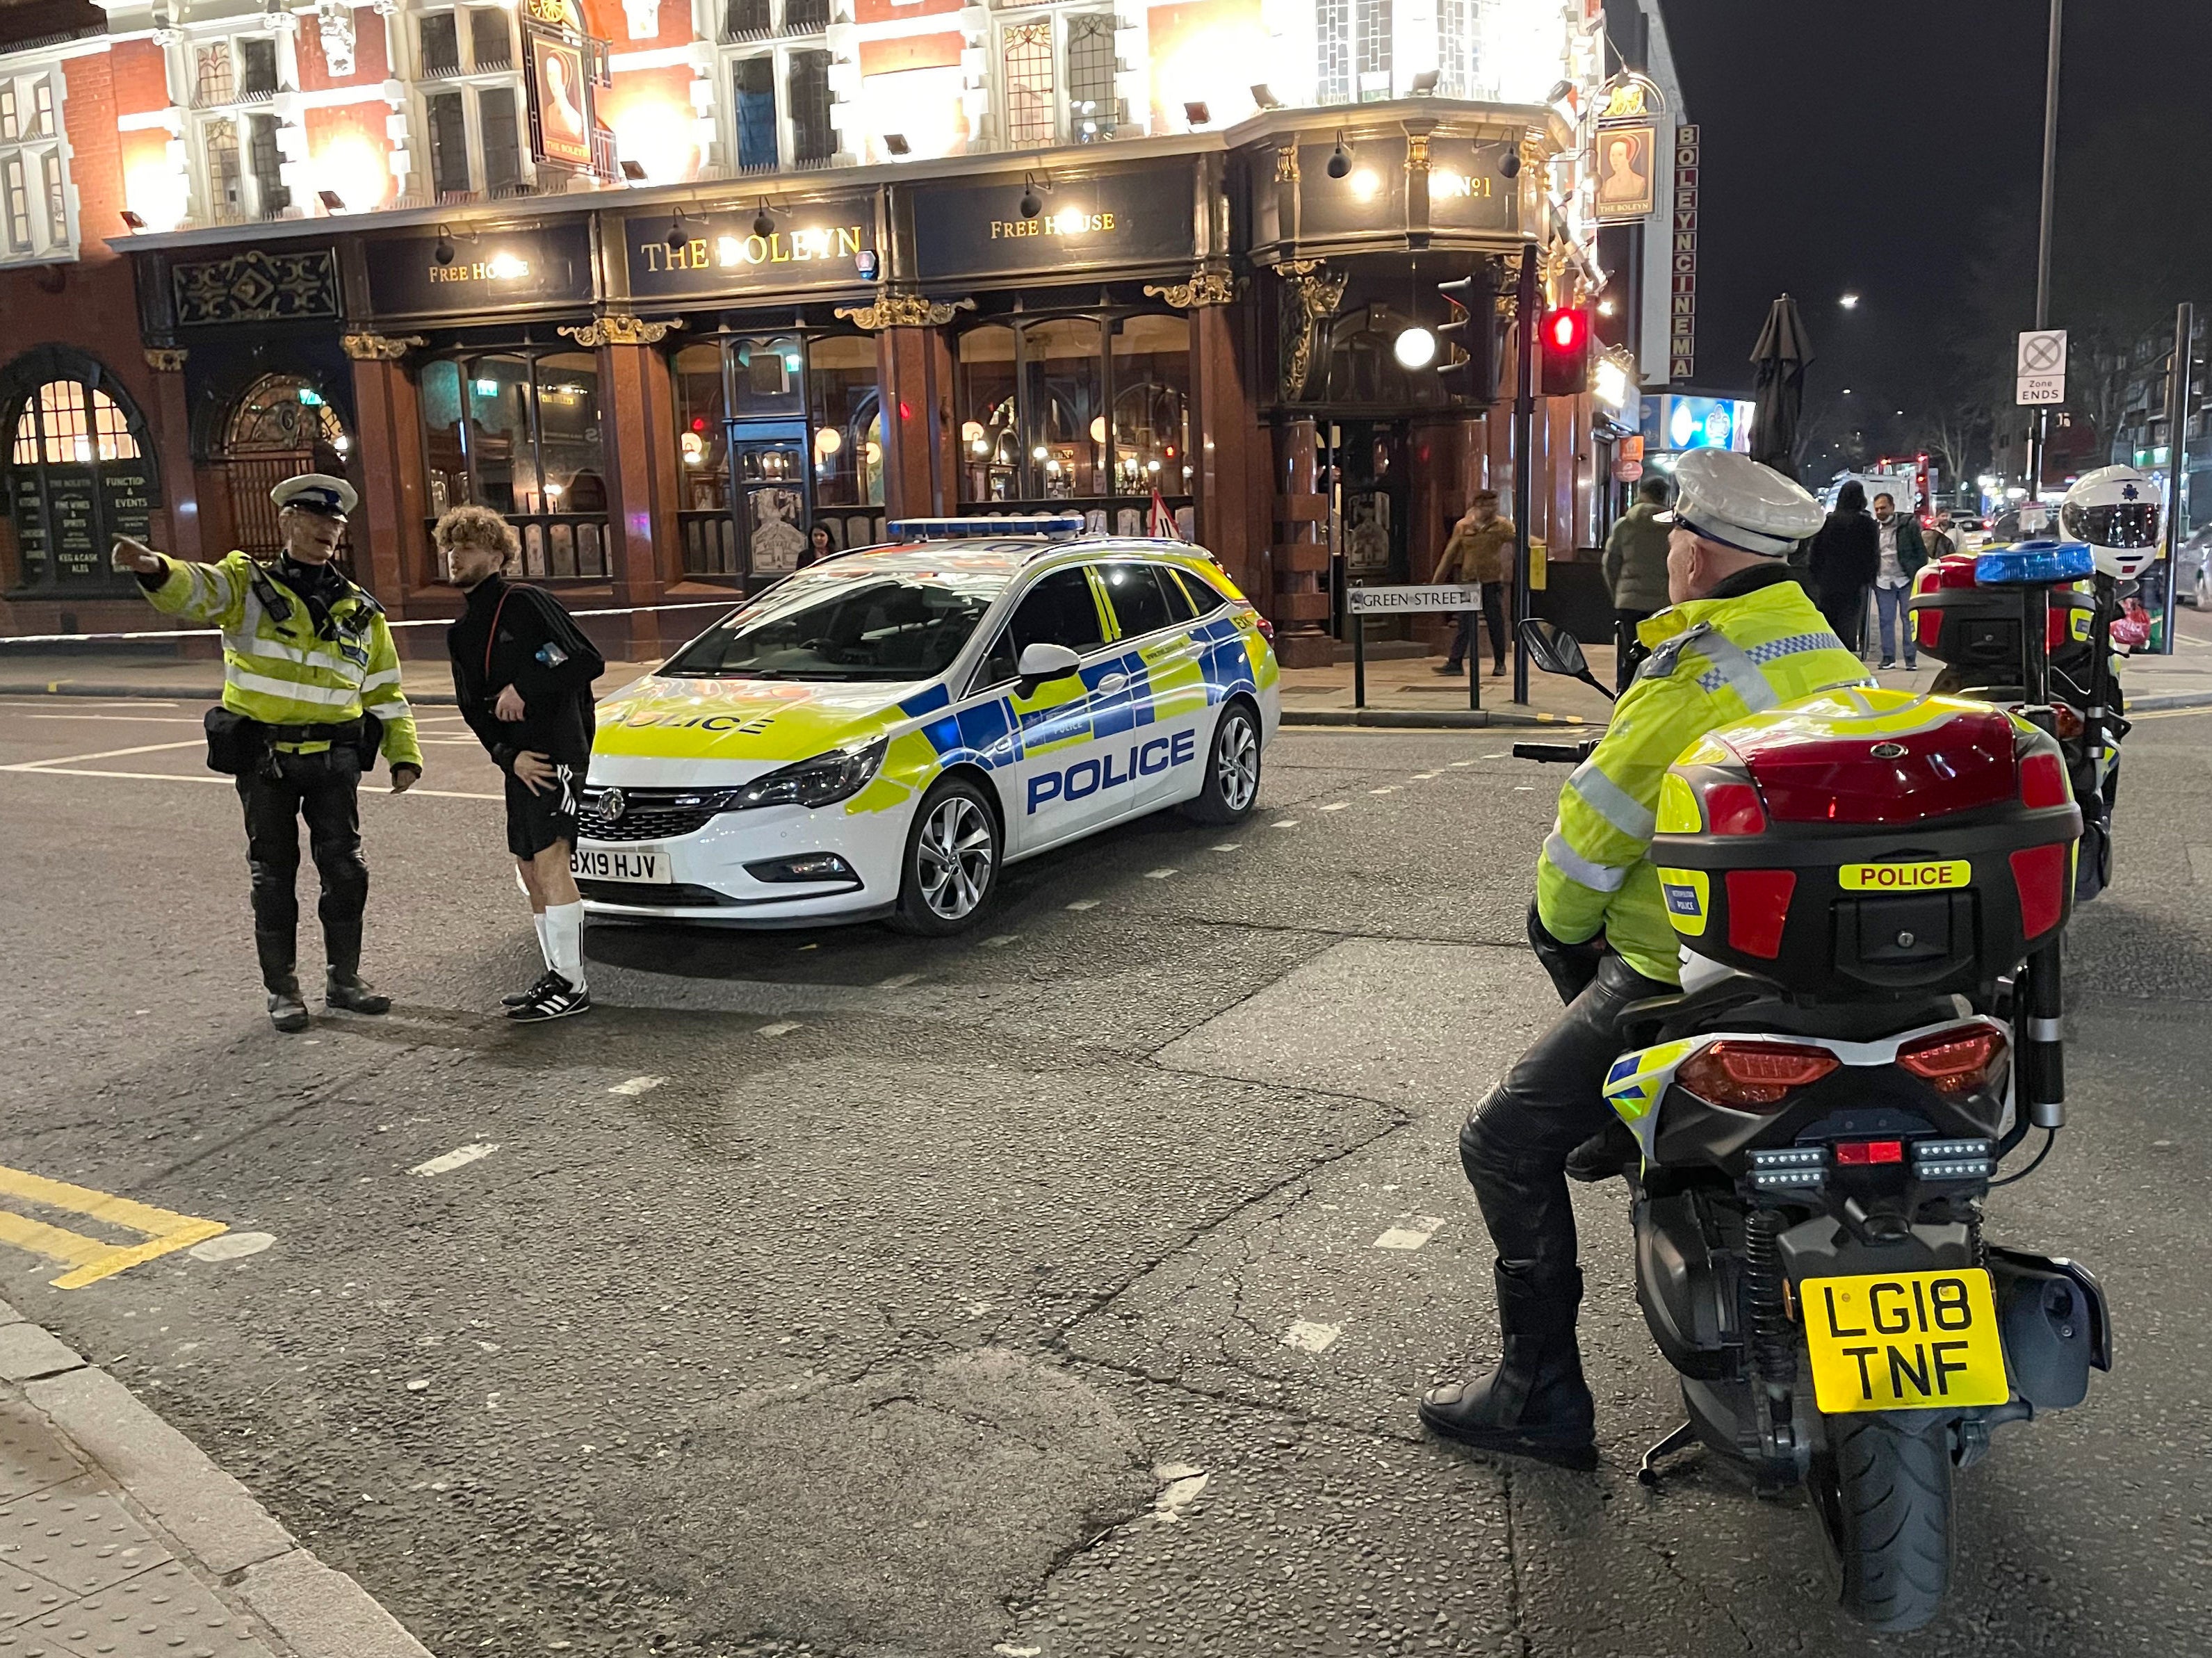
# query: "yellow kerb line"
[[88, 1259]]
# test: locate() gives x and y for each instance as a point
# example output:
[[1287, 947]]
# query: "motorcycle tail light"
[[1860, 1154], [2043, 777], [1949, 1160], [1759, 908], [2040, 875], [2068, 721], [1734, 809], [1954, 1061], [1929, 625], [1750, 1076]]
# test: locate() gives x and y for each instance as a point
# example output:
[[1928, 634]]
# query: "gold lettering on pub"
[[1074, 222], [729, 252]]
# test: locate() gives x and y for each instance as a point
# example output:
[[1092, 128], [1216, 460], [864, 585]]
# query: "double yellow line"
[[89, 1259]]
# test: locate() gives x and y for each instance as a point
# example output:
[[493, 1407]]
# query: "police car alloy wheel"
[[1232, 770], [951, 860]]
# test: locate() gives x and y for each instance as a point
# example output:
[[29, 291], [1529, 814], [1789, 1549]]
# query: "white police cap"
[[1731, 499], [317, 492]]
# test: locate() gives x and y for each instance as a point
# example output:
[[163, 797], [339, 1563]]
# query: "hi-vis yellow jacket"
[[280, 673], [1713, 661]]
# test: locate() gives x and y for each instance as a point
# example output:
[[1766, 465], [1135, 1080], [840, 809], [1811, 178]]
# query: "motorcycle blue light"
[[2033, 564]]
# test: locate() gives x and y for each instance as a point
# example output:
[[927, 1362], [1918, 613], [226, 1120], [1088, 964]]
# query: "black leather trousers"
[[324, 788]]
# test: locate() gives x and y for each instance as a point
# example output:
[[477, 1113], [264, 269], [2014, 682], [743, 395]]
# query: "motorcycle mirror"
[[1555, 650]]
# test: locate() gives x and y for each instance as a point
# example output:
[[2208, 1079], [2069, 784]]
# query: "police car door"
[[1055, 786], [1155, 725]]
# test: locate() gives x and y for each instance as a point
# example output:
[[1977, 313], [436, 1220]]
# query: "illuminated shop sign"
[[1684, 422], [459, 269], [816, 245], [1140, 217]]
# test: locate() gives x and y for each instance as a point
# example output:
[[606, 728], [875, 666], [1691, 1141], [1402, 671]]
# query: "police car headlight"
[[822, 781]]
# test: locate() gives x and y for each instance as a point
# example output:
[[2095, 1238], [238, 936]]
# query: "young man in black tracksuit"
[[523, 673]]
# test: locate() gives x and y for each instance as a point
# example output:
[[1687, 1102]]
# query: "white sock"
[[545, 943], [564, 940]]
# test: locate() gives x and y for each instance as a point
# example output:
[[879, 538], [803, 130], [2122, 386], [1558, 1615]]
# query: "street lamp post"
[[2040, 430]]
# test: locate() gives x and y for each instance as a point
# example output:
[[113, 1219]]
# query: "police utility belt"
[[239, 746]]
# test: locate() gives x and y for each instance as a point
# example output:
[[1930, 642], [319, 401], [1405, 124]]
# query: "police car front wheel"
[[1232, 768], [951, 860]]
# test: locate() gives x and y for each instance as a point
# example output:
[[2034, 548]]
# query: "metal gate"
[[280, 428]]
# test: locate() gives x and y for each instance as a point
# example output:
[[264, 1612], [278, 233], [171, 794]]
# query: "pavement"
[[1056, 1291]]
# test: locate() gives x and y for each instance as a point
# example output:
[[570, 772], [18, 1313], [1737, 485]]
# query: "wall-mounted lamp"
[[675, 238], [1197, 113], [1340, 158], [1264, 96], [1424, 85], [633, 173], [132, 220], [1030, 205], [896, 142], [763, 225], [1510, 167], [330, 200], [443, 252]]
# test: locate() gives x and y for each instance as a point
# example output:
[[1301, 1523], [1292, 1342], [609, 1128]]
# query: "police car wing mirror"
[[1044, 662], [1555, 650]]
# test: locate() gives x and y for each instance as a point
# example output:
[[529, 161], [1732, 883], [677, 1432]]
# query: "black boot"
[[343, 985], [286, 1011], [1605, 1155], [1535, 1404]]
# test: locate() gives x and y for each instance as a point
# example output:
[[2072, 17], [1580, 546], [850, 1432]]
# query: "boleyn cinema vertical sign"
[[1682, 324]]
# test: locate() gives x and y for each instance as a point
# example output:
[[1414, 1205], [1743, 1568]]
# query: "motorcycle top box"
[[1869, 840], [1976, 628]]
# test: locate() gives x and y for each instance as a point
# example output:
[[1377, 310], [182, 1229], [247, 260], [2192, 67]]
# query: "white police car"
[[880, 733]]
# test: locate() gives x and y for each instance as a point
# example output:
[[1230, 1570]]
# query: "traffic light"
[[1466, 360], [1564, 343]]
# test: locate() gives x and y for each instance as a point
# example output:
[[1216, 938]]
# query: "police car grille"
[[641, 823]]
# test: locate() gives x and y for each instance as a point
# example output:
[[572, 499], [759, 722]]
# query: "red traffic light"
[[1565, 339]]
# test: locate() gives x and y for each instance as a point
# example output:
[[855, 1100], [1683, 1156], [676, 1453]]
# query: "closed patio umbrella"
[[1784, 351]]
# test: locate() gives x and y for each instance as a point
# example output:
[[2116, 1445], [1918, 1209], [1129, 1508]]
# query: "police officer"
[[1740, 636], [310, 691]]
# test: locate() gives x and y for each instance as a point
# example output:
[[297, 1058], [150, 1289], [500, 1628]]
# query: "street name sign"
[[1397, 601]]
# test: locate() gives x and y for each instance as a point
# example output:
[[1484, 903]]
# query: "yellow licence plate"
[[1904, 1341], [1945, 876]]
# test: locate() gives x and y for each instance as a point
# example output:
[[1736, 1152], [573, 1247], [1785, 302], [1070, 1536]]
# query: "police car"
[[881, 733]]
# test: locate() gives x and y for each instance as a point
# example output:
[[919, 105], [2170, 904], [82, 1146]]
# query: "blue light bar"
[[1059, 525], [2033, 564]]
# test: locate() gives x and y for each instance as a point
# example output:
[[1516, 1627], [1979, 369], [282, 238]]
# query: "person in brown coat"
[[1480, 551]]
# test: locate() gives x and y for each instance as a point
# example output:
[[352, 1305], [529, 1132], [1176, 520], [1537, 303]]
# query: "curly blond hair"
[[478, 526]]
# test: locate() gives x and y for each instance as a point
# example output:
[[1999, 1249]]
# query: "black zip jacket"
[[544, 654]]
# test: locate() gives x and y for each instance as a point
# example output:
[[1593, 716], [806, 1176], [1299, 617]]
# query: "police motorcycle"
[[1870, 886], [1982, 634]]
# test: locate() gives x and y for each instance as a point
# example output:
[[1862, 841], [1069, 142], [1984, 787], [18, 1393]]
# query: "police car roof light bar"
[[1055, 525]]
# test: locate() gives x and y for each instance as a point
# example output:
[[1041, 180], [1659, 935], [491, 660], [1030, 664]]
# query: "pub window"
[[257, 69], [34, 197], [502, 143], [847, 426], [1457, 56], [521, 433], [491, 37], [1371, 47], [812, 139], [805, 16], [1093, 111], [267, 162], [753, 85], [746, 20], [1027, 53], [441, 44], [215, 76], [225, 176], [449, 145], [77, 475], [1075, 409]]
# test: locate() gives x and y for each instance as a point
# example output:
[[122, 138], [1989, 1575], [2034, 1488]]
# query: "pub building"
[[666, 388]]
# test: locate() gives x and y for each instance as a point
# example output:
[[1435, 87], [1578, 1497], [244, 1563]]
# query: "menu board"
[[73, 514], [30, 513], [127, 489]]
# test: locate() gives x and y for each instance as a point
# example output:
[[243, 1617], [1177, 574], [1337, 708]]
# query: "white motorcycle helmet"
[[2115, 510]]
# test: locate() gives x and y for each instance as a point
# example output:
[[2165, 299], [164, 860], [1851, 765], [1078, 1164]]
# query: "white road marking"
[[1493, 756], [1308, 1338], [1084, 904], [1336, 805], [1158, 874], [104, 754], [781, 1028], [370, 790], [460, 1158], [232, 1246], [1423, 777], [1180, 1484], [127, 719], [637, 1085], [1283, 822], [1524, 788], [1412, 1235], [131, 702], [999, 941], [901, 980], [1392, 789], [1228, 845], [1456, 764]]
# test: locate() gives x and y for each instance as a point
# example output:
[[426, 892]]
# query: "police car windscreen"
[[855, 625]]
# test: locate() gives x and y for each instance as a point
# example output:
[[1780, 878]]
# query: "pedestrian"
[[1903, 552], [1942, 539], [1635, 572], [820, 543], [1479, 553], [1740, 637], [1844, 560], [522, 674], [311, 694]]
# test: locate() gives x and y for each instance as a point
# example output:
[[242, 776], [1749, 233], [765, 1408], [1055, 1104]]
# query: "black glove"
[[1571, 966]]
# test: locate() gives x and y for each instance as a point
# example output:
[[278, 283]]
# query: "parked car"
[[2193, 569]]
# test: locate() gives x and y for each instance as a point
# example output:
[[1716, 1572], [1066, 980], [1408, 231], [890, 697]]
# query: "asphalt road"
[[836, 1293]]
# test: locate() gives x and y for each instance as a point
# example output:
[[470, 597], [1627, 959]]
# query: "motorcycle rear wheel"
[[1884, 1494]]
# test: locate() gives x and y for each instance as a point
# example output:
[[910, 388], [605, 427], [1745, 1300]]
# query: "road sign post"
[[1360, 603]]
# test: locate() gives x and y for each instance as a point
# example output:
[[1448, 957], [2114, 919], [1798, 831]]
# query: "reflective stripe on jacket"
[[280, 673], [1714, 661]]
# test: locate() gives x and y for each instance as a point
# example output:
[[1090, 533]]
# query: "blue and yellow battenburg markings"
[[1633, 1086]]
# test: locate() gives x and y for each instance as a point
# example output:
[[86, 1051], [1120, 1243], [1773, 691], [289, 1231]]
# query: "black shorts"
[[535, 822]]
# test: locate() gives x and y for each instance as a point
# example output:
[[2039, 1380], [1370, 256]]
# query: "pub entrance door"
[[1370, 498]]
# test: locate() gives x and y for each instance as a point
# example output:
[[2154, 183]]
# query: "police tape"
[[418, 621]]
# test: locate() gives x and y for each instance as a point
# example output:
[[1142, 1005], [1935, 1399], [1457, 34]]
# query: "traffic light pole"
[[1525, 319]]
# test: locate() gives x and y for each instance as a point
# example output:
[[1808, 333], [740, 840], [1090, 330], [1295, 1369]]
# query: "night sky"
[[1893, 148]]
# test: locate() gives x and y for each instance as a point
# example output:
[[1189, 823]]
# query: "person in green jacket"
[[306, 658], [1740, 638], [1635, 572]]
